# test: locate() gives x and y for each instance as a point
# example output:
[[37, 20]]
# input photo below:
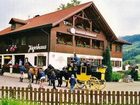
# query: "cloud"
[[122, 15], [24, 9]]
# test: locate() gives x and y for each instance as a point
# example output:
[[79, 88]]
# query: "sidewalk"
[[16, 75]]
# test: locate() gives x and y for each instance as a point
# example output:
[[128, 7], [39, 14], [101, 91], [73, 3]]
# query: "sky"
[[123, 16]]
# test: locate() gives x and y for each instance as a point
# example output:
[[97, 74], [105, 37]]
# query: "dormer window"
[[16, 23], [13, 26]]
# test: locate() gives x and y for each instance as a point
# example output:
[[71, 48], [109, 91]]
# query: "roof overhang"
[[29, 29], [122, 42]]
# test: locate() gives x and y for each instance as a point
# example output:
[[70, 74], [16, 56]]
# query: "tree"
[[71, 4], [107, 62]]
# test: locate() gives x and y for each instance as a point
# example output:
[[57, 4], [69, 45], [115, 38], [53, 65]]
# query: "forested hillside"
[[131, 53]]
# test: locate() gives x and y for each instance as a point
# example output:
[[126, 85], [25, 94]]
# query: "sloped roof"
[[51, 18], [123, 41], [55, 18]]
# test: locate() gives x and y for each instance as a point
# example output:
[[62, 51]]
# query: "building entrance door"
[[7, 59], [18, 58]]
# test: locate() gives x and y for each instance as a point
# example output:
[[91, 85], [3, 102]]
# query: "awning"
[[7, 57]]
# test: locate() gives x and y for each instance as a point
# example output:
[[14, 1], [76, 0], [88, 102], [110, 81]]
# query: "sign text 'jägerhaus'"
[[37, 47]]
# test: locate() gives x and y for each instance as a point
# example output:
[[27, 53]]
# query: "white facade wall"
[[31, 58], [58, 60], [117, 68]]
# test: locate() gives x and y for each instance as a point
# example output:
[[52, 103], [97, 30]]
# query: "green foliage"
[[11, 101], [116, 76], [139, 76], [131, 52], [71, 4], [134, 74], [106, 61], [127, 72]]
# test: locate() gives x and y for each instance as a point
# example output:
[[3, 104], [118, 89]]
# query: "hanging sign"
[[82, 32]]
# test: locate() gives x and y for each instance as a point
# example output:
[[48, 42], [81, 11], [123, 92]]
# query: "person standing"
[[20, 62], [74, 70], [42, 77], [22, 69], [76, 60], [10, 65], [70, 69], [53, 78], [72, 82]]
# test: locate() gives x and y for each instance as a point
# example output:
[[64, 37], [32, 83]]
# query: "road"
[[13, 81]]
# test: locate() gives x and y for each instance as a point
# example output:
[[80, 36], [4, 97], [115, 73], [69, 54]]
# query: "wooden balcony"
[[81, 50]]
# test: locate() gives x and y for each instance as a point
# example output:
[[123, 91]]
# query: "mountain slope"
[[132, 38], [131, 53]]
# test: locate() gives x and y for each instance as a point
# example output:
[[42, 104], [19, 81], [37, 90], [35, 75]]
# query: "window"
[[116, 63], [82, 42], [98, 44], [83, 60], [97, 61], [40, 61], [23, 41], [101, 45], [113, 63], [17, 41], [13, 26], [8, 41], [118, 48], [82, 23], [65, 39]]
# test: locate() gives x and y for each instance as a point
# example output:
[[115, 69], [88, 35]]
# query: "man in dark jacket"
[[72, 82], [53, 78]]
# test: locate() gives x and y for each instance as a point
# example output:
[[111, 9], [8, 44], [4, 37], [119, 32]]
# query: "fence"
[[77, 97]]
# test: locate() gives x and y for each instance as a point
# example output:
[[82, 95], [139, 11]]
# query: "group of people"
[[25, 68], [75, 67], [22, 69], [70, 73]]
